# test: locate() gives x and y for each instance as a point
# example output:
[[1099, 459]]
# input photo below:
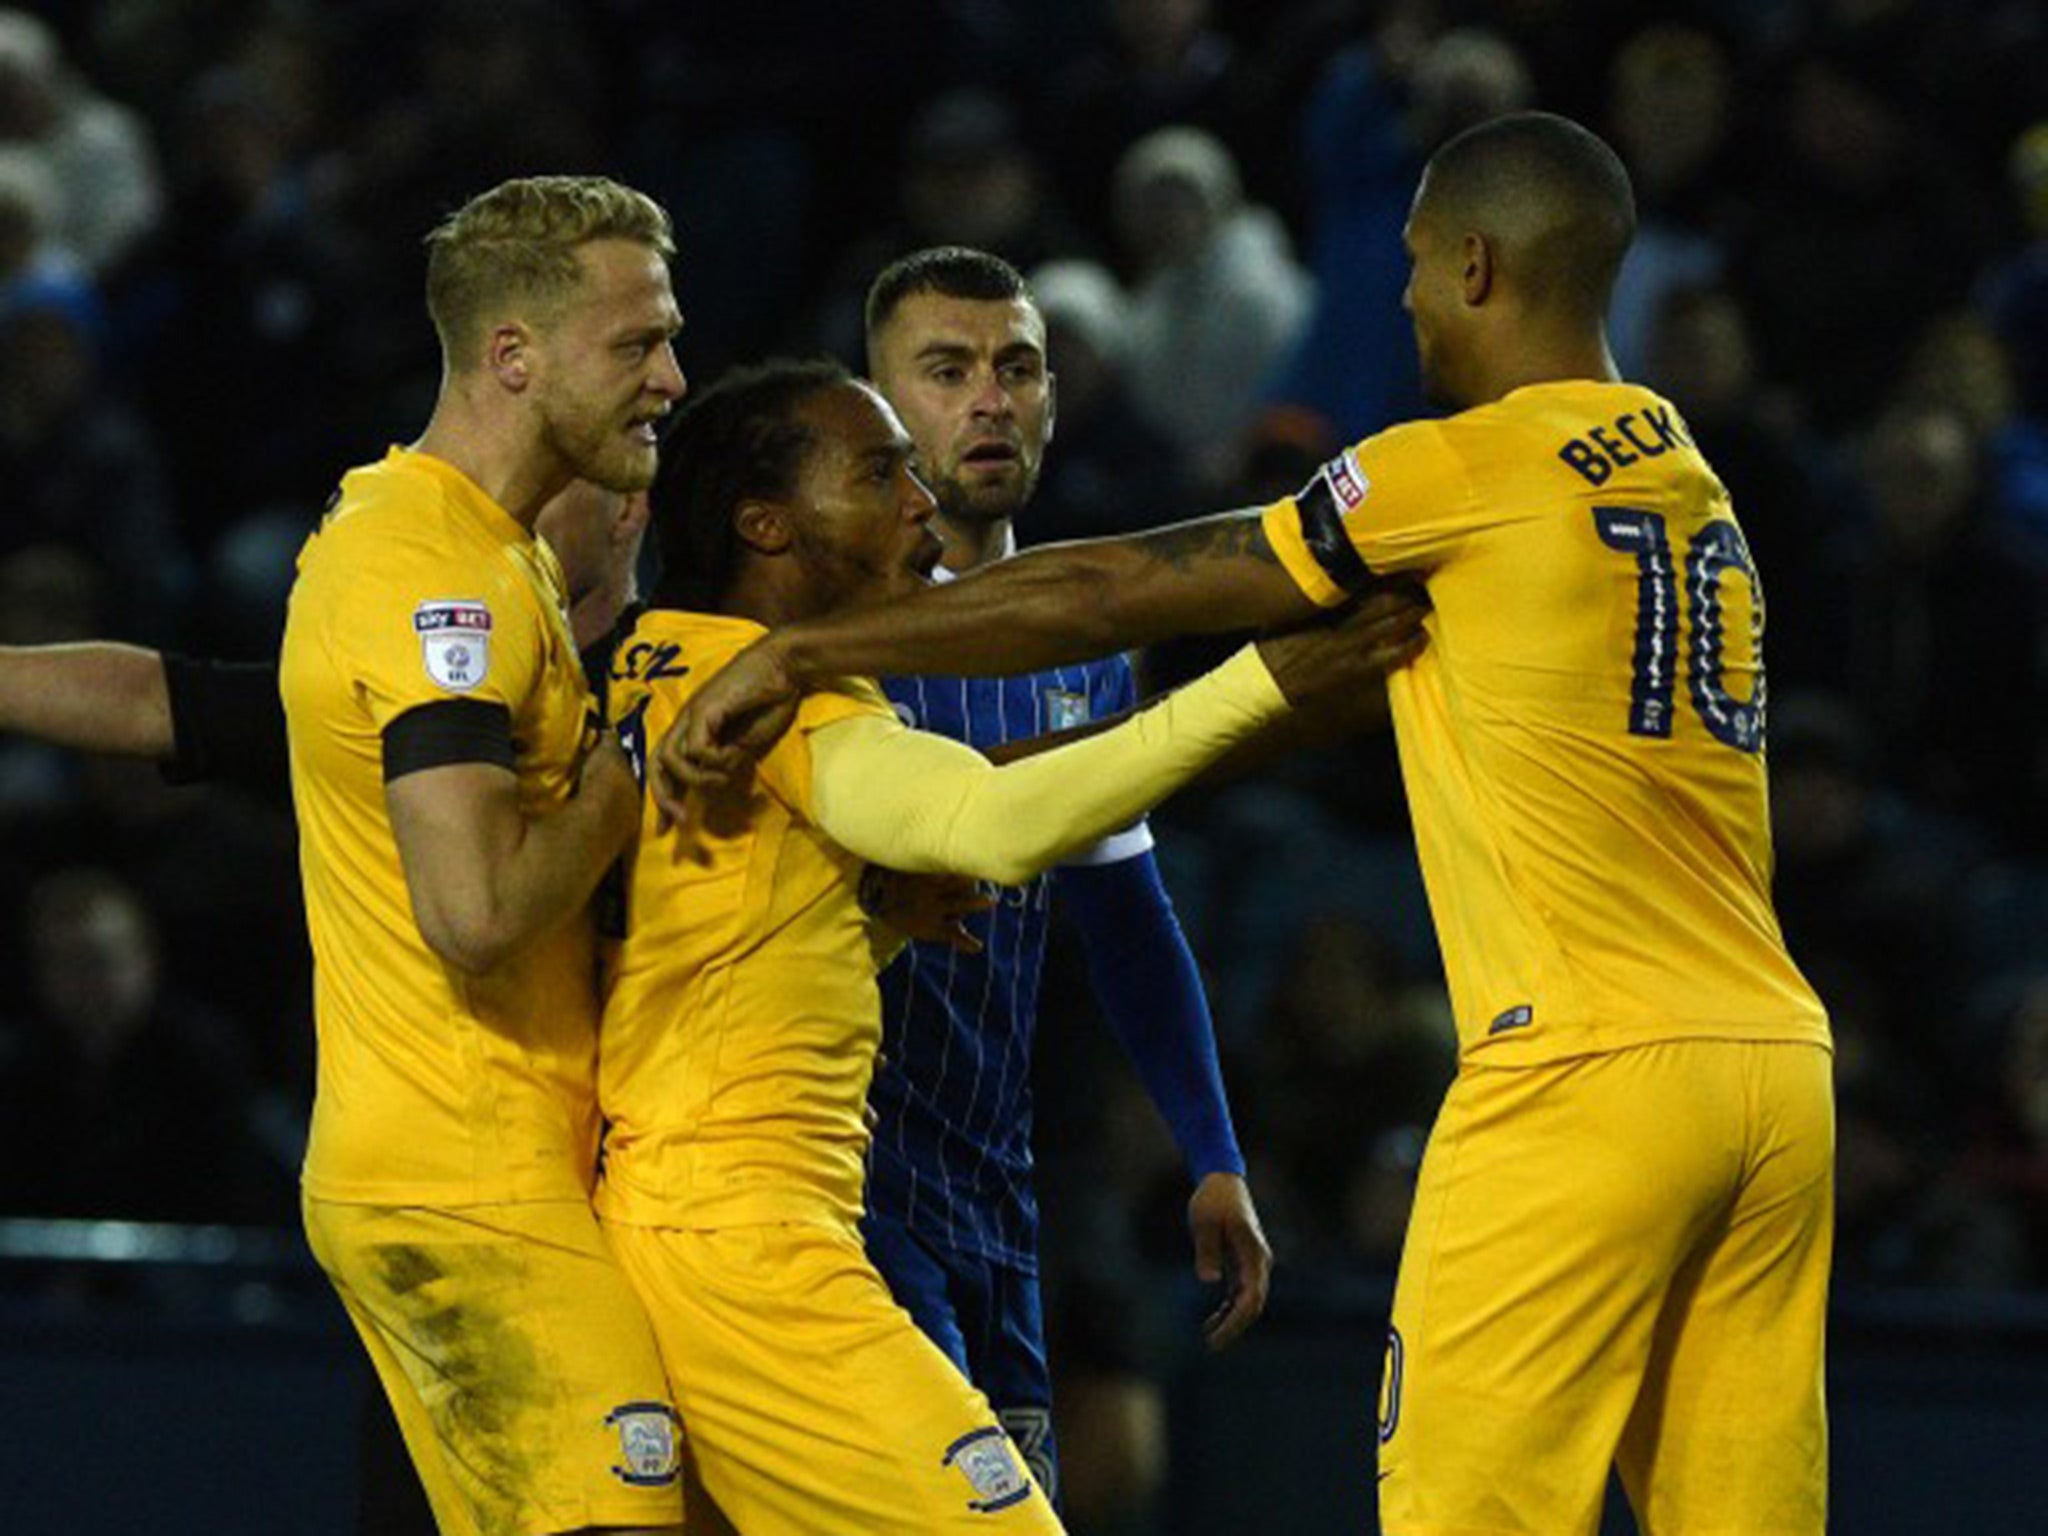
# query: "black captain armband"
[[227, 726], [1322, 530], [447, 732]]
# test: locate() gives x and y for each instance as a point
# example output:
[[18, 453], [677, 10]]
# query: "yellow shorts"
[[522, 1370], [813, 1404], [1619, 1258]]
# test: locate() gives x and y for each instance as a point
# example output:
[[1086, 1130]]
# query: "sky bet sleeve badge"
[[455, 640]]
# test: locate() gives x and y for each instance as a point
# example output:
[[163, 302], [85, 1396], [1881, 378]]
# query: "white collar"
[[941, 574]]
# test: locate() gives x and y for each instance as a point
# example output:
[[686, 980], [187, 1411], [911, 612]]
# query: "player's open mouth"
[[990, 455], [926, 558], [647, 429]]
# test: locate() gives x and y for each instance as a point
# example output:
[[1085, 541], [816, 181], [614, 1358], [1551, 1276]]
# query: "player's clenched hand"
[[1230, 1248], [725, 729], [1344, 657]]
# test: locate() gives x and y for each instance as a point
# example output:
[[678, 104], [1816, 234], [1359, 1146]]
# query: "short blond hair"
[[516, 245]]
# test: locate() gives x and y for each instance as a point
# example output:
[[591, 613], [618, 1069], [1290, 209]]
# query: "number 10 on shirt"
[[1717, 551]]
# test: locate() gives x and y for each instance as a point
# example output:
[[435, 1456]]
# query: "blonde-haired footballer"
[[456, 809], [743, 1013], [1620, 1244]]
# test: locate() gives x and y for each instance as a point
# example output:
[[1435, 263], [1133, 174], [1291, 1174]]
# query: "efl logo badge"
[[1065, 709], [986, 1459], [455, 641], [650, 1453], [1347, 480]]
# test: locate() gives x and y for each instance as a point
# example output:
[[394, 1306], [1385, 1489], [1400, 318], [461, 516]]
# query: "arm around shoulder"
[[96, 696]]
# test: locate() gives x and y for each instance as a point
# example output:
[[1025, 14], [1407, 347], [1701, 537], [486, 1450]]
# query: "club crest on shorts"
[[989, 1463], [650, 1444], [455, 642], [1065, 709]]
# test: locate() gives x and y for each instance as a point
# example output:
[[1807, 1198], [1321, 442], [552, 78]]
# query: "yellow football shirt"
[[434, 1086], [742, 1013], [1582, 742]]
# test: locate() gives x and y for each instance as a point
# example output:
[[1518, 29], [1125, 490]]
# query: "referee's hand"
[[1231, 1250]]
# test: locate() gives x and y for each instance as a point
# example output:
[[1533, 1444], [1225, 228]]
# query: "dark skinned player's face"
[[1433, 300], [861, 518]]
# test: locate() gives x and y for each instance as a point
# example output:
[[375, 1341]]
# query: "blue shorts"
[[987, 1318]]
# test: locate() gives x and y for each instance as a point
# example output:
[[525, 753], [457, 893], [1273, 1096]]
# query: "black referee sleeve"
[[227, 726]]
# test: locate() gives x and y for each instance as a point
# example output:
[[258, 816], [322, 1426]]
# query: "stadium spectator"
[[1375, 115], [1701, 353], [966, 177], [98, 155], [1670, 101], [1219, 298], [1828, 202], [2015, 288], [1944, 624], [1159, 62], [2007, 1161], [255, 295], [1111, 470], [80, 467], [123, 1099]]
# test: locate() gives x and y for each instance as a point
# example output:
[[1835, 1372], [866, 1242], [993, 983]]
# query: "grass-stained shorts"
[[523, 1371]]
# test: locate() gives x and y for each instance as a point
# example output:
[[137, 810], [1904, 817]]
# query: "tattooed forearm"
[[1236, 536]]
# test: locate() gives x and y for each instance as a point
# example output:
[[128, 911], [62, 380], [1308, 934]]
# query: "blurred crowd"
[[210, 280]]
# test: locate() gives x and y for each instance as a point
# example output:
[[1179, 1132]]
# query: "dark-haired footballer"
[[1620, 1244], [956, 344], [743, 1014]]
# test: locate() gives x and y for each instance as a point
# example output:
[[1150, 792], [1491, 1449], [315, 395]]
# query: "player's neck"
[[761, 590], [971, 545], [1552, 358], [497, 453]]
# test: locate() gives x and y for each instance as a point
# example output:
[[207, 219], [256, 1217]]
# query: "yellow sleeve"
[[924, 803], [412, 628], [1399, 501], [787, 769]]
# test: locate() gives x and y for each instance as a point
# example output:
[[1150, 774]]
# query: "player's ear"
[[1476, 279], [510, 356], [1052, 402], [764, 526]]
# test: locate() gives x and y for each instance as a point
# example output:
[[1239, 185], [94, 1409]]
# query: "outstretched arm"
[[96, 696], [1059, 603], [204, 722], [1042, 608]]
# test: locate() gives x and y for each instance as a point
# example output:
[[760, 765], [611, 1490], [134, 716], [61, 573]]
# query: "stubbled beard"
[[598, 451], [957, 505]]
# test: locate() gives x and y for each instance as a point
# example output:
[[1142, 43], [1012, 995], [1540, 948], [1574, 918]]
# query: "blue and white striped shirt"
[[951, 1155]]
